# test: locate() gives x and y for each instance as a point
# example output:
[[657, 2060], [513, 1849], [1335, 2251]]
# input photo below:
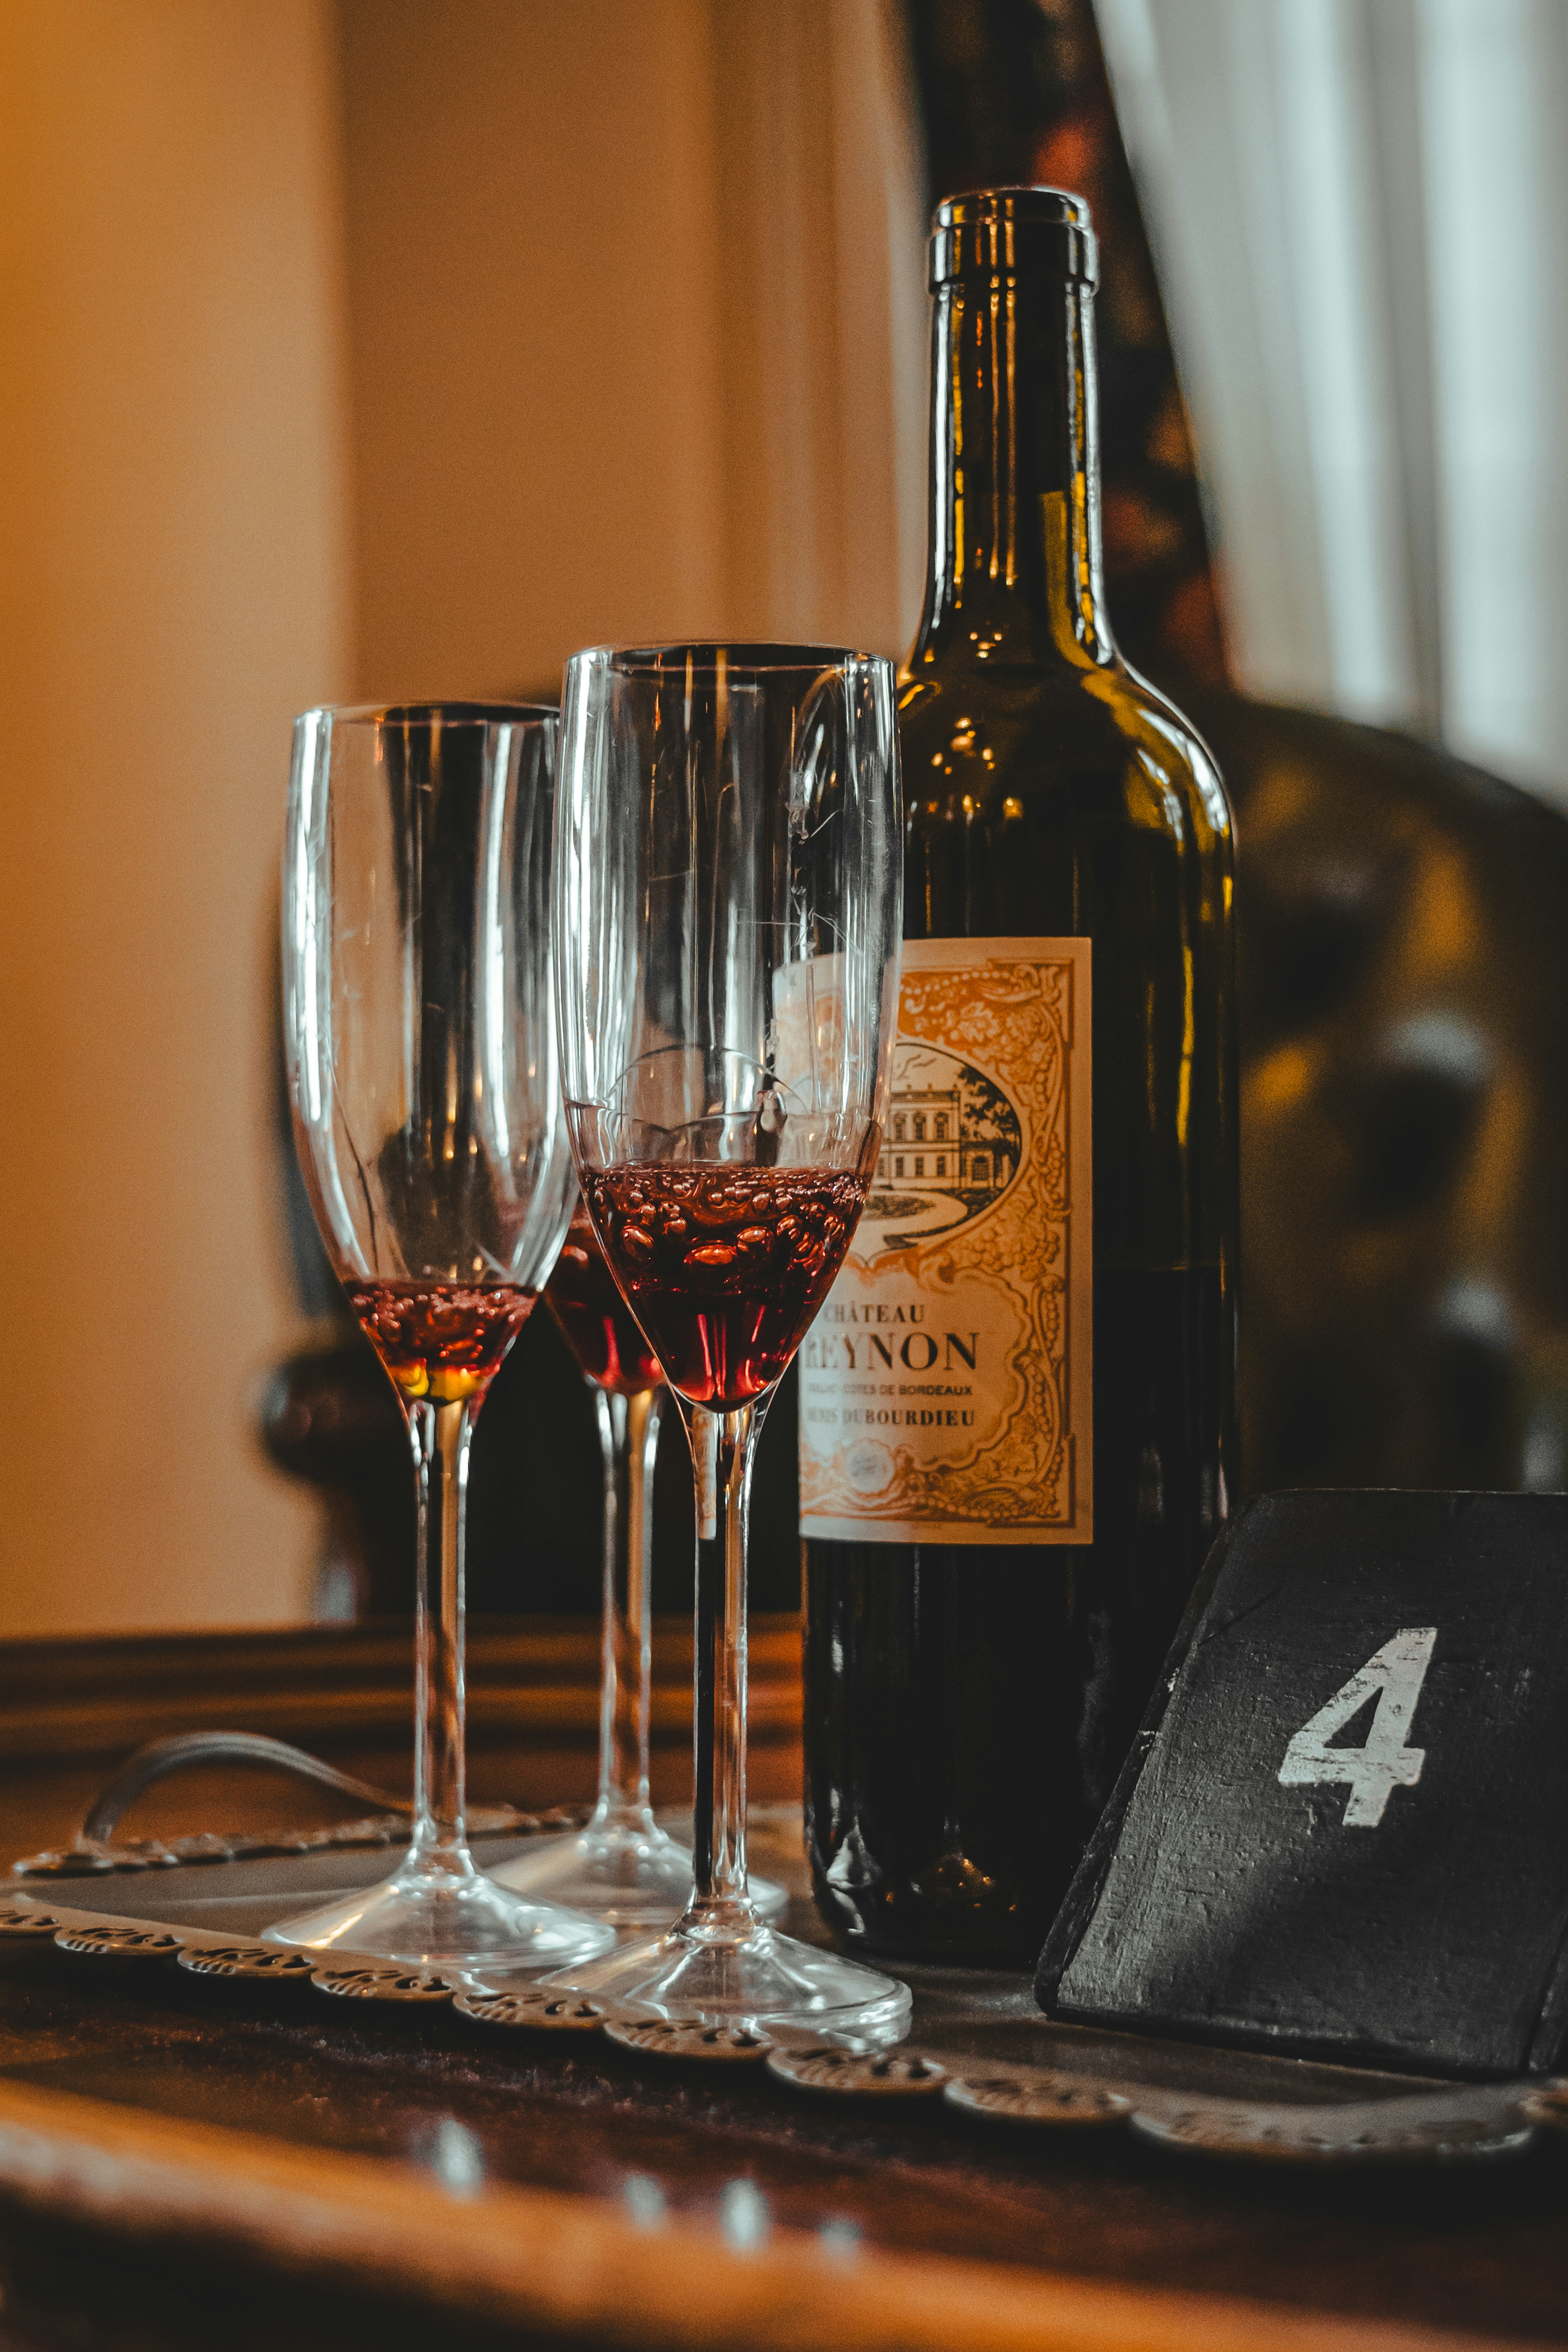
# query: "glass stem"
[[440, 1435], [628, 1439], [723, 1447]]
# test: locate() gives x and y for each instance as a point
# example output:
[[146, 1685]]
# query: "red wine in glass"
[[601, 1329], [726, 1265], [441, 1340]]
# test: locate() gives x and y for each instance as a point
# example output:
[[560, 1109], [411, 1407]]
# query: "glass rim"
[[737, 659], [455, 713]]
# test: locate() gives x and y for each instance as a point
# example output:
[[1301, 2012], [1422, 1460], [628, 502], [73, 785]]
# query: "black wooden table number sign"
[[1343, 1828]]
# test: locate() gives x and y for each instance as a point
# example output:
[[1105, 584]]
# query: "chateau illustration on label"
[[945, 1385], [954, 1144]]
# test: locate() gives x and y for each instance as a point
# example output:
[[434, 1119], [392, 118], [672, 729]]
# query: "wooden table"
[[176, 2157]]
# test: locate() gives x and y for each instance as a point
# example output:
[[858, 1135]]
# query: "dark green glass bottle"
[[989, 1597]]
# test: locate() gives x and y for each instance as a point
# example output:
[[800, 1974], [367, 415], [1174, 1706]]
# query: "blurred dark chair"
[[1403, 929]]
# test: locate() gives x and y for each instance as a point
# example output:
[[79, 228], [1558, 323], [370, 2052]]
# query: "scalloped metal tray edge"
[[1189, 2099]]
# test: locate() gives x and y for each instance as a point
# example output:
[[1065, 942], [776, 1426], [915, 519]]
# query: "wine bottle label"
[[946, 1386]]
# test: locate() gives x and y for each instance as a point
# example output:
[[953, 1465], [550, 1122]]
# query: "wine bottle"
[[1016, 1416]]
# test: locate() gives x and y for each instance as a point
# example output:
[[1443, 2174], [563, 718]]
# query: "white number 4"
[[1385, 1763]]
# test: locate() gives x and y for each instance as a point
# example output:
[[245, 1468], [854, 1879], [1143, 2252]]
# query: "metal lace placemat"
[[978, 2042]]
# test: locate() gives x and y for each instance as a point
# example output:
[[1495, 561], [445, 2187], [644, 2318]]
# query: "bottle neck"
[[1015, 572]]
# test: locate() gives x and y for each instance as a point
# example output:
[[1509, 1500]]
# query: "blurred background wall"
[[395, 348], [637, 310], [174, 582]]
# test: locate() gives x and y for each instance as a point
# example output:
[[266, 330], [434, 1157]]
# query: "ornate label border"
[[1017, 1010]]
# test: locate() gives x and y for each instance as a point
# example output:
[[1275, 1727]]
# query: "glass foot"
[[726, 1973], [448, 1918], [622, 1869]]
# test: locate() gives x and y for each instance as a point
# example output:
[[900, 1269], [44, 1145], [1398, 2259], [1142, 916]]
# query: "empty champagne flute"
[[426, 1089], [727, 924]]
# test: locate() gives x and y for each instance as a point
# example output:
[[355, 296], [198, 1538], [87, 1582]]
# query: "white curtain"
[[1360, 209]]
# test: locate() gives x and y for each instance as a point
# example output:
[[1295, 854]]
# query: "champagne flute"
[[426, 1090], [620, 1866], [727, 922]]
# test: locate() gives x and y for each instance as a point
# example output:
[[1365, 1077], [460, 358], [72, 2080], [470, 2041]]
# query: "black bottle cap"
[[1009, 232]]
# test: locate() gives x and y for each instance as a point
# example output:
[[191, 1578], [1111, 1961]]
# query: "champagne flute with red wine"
[[427, 1113], [621, 1867], [727, 921]]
